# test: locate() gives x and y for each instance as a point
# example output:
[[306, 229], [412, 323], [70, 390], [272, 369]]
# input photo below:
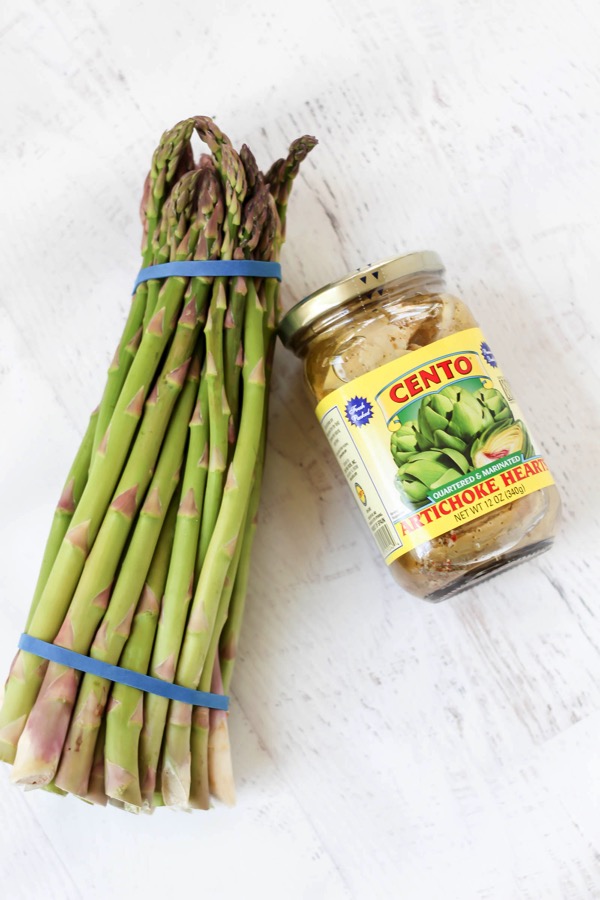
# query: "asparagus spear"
[[216, 740], [71, 494], [233, 355], [171, 158], [178, 591], [199, 791], [171, 242], [96, 792], [209, 772], [231, 170], [282, 173], [125, 709], [220, 768], [268, 247], [184, 760], [255, 212], [218, 413], [250, 168], [232, 627]]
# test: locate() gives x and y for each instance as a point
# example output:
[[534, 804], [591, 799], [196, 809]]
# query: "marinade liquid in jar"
[[424, 425]]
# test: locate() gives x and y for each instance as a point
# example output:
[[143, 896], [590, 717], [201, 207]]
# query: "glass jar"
[[424, 425]]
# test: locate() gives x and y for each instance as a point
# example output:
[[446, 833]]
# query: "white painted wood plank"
[[384, 747]]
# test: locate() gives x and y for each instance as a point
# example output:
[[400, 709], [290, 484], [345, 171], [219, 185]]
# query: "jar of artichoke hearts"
[[424, 425]]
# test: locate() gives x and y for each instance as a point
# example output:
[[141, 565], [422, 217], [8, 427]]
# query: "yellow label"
[[431, 441]]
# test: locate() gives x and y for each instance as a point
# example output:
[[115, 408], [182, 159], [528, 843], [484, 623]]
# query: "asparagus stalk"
[[282, 173], [232, 626], [216, 743], [71, 493], [96, 792], [199, 790], [28, 670], [268, 247], [250, 168], [184, 762], [231, 170], [178, 591], [171, 158], [69, 498], [220, 768], [77, 755], [218, 750], [218, 412], [237, 300], [170, 241], [123, 717], [209, 772], [255, 213]]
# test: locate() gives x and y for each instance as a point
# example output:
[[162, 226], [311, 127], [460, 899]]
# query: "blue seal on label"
[[359, 411], [488, 355]]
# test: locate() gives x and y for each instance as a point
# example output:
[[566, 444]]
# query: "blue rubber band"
[[120, 675], [212, 268]]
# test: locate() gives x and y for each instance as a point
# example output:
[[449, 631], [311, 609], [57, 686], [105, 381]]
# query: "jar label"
[[431, 441]]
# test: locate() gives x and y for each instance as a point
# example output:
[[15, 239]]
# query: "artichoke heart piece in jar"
[[424, 425]]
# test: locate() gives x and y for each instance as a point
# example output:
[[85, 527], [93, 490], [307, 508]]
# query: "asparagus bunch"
[[148, 557]]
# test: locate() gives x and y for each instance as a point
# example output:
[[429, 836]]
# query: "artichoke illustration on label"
[[456, 430], [499, 441], [430, 470]]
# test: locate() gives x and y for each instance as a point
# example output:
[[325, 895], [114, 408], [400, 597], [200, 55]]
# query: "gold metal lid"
[[362, 281]]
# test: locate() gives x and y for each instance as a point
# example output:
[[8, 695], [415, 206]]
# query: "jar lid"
[[362, 281]]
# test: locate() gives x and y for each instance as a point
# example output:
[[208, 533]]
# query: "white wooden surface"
[[384, 748]]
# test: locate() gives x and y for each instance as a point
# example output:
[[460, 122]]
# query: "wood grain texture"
[[384, 748]]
